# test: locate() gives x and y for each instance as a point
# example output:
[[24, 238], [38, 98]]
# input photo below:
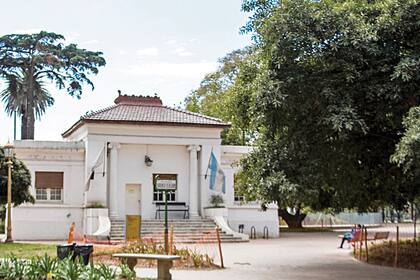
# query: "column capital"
[[114, 145], [194, 148]]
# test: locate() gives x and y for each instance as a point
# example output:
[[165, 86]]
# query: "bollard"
[[265, 232], [253, 233]]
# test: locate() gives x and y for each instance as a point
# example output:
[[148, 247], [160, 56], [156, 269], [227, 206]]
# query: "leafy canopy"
[[21, 181], [29, 61], [44, 56], [228, 94], [340, 77]]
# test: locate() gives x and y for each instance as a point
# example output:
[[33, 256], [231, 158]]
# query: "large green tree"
[[340, 77], [21, 181], [30, 60], [227, 94], [407, 154], [15, 96]]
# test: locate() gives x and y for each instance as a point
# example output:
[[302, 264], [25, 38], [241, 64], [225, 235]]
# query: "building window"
[[41, 194], [55, 194], [49, 186], [159, 195], [239, 198]]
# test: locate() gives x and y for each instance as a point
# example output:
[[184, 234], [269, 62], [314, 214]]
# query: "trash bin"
[[65, 250], [84, 252]]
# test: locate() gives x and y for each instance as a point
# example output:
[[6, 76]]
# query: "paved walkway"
[[309, 256]]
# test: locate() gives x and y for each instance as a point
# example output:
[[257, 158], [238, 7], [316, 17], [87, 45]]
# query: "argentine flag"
[[217, 177]]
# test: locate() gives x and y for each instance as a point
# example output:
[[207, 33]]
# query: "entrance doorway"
[[132, 199], [132, 211]]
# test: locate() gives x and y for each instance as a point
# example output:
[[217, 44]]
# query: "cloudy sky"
[[163, 47]]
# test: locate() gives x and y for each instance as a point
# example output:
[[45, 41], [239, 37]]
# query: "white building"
[[127, 146]]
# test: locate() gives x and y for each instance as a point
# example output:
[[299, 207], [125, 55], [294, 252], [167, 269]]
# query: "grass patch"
[[24, 250], [305, 229], [384, 254]]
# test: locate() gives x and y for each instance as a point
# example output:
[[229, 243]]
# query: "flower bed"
[[47, 267], [189, 258], [408, 254]]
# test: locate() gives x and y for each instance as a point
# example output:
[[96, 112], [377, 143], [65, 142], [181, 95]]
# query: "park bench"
[[380, 235], [164, 262], [172, 207]]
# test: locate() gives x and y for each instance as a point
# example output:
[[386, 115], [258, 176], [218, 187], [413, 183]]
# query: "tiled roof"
[[147, 114], [154, 114]]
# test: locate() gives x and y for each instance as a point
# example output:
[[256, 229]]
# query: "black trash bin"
[[65, 250], [84, 252]]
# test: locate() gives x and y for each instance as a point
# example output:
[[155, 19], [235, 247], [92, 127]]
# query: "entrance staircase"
[[186, 231], [117, 230]]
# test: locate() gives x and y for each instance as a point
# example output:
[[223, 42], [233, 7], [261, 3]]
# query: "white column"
[[113, 187], [193, 149]]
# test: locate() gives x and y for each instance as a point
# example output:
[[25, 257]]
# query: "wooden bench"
[[380, 235], [172, 207], [164, 262]]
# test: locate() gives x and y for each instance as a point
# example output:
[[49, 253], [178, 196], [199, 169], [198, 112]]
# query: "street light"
[[8, 154]]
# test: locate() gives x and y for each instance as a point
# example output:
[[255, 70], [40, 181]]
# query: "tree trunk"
[[292, 221], [23, 124], [29, 126], [28, 123], [31, 122]]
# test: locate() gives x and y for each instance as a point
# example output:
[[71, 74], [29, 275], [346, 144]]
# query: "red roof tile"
[[147, 114]]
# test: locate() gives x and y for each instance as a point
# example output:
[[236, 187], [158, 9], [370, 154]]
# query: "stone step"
[[185, 231], [117, 230], [191, 240], [179, 228]]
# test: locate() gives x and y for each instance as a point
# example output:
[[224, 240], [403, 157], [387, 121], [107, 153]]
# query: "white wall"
[[253, 216], [132, 170], [46, 222], [51, 220], [167, 147]]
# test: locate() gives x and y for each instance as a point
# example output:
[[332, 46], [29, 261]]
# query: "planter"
[[92, 220], [96, 212], [215, 212]]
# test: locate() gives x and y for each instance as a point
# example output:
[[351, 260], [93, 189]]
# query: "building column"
[[193, 183], [113, 179]]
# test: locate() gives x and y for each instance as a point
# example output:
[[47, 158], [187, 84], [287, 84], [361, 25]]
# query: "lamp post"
[[8, 154]]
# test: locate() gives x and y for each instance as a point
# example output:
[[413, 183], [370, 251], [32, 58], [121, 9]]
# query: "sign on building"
[[165, 182]]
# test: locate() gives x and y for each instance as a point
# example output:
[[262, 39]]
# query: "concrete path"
[[309, 256]]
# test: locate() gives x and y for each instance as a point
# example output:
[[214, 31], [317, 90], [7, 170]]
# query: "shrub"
[[408, 255], [189, 258], [216, 200], [51, 268]]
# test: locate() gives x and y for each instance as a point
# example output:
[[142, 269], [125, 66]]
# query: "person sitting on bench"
[[350, 236]]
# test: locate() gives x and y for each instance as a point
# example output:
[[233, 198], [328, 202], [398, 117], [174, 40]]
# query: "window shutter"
[[45, 180]]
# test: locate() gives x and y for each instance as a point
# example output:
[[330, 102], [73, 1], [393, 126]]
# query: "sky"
[[160, 46]]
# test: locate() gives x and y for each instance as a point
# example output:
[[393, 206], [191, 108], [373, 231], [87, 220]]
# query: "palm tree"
[[16, 94]]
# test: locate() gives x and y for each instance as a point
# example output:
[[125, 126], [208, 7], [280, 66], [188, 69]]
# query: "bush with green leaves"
[[216, 200], [47, 268]]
